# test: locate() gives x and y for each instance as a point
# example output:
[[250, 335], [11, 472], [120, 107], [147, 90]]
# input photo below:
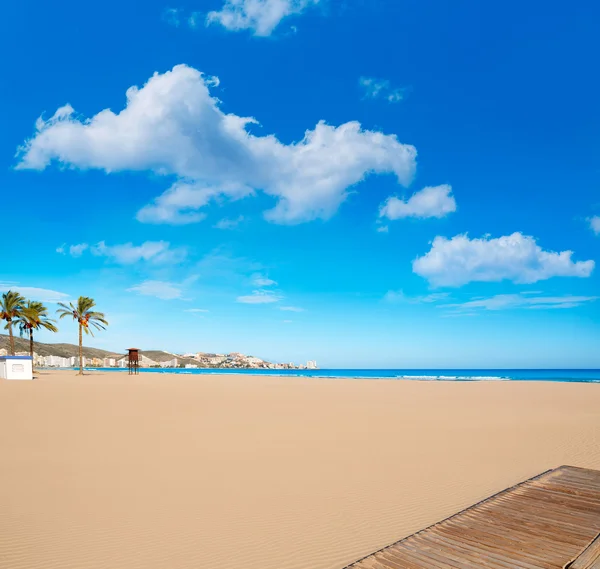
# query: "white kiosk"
[[16, 367]]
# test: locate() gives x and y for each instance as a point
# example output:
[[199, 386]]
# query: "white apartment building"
[[169, 363], [74, 361], [56, 361], [311, 364], [109, 362]]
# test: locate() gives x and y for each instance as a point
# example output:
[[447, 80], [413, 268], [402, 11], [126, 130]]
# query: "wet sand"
[[215, 472]]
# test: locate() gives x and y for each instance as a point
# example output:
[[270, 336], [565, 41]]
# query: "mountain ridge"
[[69, 350]]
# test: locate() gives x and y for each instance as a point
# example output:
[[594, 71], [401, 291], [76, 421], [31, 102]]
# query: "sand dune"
[[182, 472]]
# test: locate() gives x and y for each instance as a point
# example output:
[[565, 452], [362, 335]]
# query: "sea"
[[560, 375]]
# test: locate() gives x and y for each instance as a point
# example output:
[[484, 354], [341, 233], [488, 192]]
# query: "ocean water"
[[562, 375]]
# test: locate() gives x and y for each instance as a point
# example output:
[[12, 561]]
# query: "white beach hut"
[[16, 367]]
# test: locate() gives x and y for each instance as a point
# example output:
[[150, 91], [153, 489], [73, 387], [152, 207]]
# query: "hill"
[[61, 350], [70, 350]]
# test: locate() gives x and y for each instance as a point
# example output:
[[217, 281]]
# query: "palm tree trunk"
[[31, 346], [80, 349], [11, 338]]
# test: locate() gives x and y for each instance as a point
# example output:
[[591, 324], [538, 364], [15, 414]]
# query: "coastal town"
[[160, 359]]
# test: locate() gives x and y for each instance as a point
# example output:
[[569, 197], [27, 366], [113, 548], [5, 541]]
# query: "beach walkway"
[[551, 521]]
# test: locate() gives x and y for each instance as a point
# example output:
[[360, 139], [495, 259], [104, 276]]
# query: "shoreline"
[[537, 375]]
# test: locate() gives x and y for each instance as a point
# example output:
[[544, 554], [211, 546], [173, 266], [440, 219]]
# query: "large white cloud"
[[260, 16], [173, 126], [516, 257], [436, 201]]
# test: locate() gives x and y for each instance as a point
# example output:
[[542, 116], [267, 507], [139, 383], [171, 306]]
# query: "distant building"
[[311, 364], [109, 362], [56, 361], [170, 363], [74, 361], [191, 366]]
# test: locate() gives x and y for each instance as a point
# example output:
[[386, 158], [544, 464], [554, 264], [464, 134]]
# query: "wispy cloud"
[[220, 266], [383, 229], [159, 252], [523, 300], [381, 89], [291, 309], [262, 281], [259, 297], [196, 310], [229, 223], [398, 296], [158, 289], [73, 250], [172, 16], [595, 224], [35, 293]]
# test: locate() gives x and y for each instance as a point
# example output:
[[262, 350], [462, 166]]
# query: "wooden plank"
[[589, 558], [551, 521]]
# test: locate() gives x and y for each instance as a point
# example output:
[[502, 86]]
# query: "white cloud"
[[172, 16], [523, 300], [195, 19], [173, 126], [35, 293], [153, 251], [159, 289], [260, 16], [595, 224], [381, 88], [287, 321], [259, 297], [195, 310], [398, 296], [291, 309], [432, 201], [61, 249], [518, 258], [261, 280], [77, 250], [383, 229], [229, 223], [158, 252]]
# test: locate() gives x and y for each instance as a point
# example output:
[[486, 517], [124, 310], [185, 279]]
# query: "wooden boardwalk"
[[551, 521]]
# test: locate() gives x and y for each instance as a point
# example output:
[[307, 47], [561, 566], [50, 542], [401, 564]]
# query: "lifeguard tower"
[[133, 360]]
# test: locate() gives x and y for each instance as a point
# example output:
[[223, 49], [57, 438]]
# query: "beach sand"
[[220, 472]]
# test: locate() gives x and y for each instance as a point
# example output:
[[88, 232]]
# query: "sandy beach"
[[215, 472]]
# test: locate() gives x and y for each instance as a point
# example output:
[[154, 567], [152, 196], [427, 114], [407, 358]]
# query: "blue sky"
[[367, 184]]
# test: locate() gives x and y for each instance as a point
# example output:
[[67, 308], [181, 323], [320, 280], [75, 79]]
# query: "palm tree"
[[34, 316], [11, 304], [86, 318]]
